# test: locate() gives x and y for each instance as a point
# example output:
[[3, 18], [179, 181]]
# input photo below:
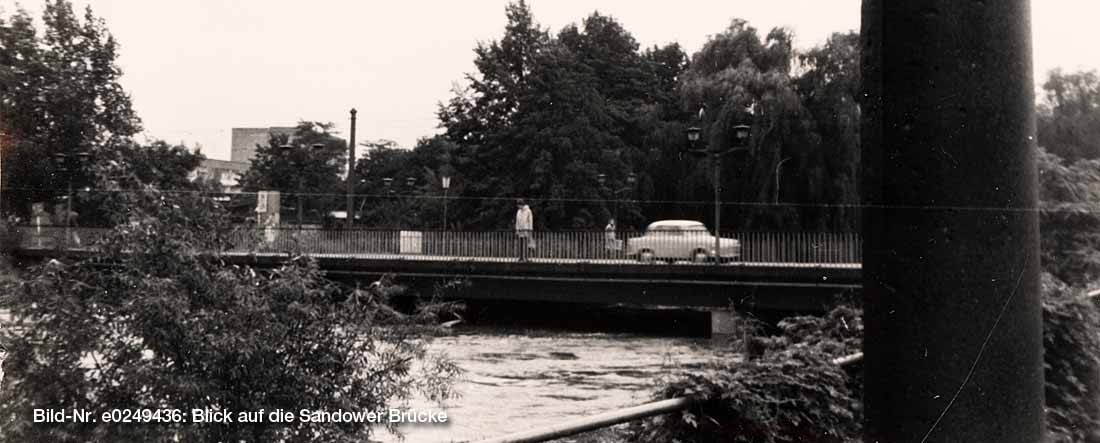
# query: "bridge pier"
[[723, 322]]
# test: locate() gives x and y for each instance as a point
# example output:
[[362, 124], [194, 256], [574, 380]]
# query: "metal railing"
[[802, 248]]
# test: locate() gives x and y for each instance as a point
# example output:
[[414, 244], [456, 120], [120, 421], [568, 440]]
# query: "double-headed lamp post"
[[741, 136], [69, 164], [300, 157], [631, 179]]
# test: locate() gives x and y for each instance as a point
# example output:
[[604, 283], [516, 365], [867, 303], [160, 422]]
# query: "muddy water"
[[520, 381]]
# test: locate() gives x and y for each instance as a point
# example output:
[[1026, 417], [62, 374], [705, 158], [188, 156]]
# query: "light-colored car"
[[672, 240]]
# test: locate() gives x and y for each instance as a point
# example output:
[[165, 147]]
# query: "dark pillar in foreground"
[[953, 322]]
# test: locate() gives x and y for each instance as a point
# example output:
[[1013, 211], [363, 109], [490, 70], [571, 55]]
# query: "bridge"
[[771, 270]]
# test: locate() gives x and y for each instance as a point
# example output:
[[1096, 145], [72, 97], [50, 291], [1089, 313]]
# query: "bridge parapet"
[[679, 248]]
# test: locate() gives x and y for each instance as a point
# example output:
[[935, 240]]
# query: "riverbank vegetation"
[[157, 320]]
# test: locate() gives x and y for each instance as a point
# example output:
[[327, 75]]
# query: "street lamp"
[[299, 157], [631, 179], [601, 180], [69, 164], [693, 135], [446, 187], [742, 134]]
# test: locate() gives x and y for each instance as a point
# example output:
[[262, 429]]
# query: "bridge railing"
[[543, 246]]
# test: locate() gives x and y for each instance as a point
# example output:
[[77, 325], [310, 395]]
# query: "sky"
[[197, 68]]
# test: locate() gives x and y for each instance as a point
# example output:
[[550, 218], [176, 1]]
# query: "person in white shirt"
[[524, 229]]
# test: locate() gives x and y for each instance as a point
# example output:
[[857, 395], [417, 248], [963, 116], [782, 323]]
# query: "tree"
[[1069, 117], [829, 89], [739, 78], [479, 118], [545, 116], [1069, 221], [59, 94], [157, 320], [302, 172]]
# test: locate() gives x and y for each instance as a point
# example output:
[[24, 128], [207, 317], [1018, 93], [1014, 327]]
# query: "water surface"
[[518, 381]]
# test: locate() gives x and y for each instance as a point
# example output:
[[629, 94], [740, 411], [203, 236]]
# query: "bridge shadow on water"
[[549, 317]]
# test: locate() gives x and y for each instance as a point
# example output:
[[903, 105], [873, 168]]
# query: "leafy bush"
[[159, 321], [1071, 338], [790, 395], [790, 392], [1068, 220]]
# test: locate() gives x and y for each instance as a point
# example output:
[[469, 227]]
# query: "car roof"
[[665, 224]]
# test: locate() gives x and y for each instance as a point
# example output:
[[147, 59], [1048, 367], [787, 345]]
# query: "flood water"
[[517, 381]]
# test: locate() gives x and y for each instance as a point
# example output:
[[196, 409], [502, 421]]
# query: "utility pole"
[[953, 322], [351, 174]]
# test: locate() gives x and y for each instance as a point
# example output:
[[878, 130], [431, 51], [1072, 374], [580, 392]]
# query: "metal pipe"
[[604, 420]]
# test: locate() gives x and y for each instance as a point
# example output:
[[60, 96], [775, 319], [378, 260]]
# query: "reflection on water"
[[520, 381]]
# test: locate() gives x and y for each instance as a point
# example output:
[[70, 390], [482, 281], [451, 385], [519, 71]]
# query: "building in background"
[[246, 139]]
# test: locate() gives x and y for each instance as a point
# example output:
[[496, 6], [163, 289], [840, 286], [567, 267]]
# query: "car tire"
[[645, 256]]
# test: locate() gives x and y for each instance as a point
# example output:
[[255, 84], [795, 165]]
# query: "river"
[[516, 381]]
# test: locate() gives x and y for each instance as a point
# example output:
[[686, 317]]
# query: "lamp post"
[[741, 135], [389, 206], [408, 204], [299, 157], [601, 179], [69, 164], [446, 187], [631, 179]]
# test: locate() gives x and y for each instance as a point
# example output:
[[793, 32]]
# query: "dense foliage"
[[1069, 115], [1070, 221], [1071, 340], [157, 319], [547, 114]]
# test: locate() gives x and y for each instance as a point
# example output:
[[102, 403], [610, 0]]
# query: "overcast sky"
[[196, 68]]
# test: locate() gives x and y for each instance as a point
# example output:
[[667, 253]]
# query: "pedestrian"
[[612, 244], [524, 229]]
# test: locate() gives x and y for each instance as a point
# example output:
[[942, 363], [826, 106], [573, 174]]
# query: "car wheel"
[[645, 256], [700, 256]]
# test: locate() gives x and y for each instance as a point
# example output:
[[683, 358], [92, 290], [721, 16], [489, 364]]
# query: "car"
[[672, 240]]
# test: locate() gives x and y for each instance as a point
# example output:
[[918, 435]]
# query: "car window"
[[667, 231]]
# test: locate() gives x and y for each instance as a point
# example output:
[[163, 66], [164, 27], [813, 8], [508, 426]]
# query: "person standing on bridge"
[[524, 229], [613, 244]]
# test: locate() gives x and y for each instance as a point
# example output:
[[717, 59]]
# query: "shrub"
[[1071, 338], [791, 392]]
